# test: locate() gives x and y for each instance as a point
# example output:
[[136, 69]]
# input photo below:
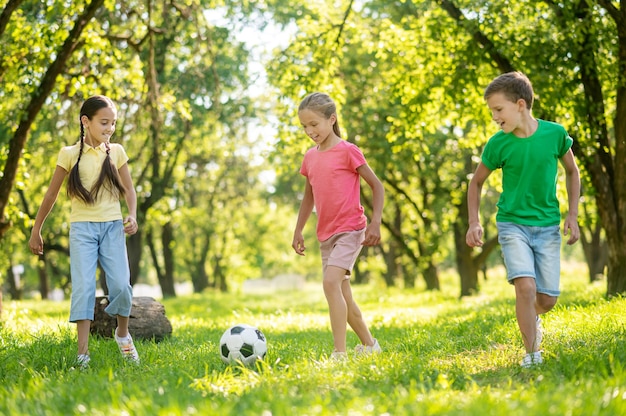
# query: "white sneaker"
[[83, 361], [532, 359], [368, 349], [127, 347]]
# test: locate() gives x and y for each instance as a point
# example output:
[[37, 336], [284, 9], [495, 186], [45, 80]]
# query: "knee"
[[331, 285], [545, 302], [525, 289]]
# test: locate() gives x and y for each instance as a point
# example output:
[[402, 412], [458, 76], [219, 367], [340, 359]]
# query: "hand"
[[36, 243], [372, 235], [570, 226], [130, 225], [298, 244], [474, 236]]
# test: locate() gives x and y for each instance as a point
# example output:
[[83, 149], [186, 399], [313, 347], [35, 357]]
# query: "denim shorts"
[[341, 250], [532, 252], [90, 243]]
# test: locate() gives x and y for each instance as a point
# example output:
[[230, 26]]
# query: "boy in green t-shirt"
[[528, 218]]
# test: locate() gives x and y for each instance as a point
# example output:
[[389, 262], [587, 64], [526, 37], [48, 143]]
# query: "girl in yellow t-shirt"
[[98, 176]]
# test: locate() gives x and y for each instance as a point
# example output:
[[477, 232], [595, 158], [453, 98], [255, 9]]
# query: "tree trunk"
[[466, 267], [359, 274], [616, 278], [218, 274], [134, 248], [394, 268], [147, 319], [392, 257], [15, 289], [167, 280], [596, 251], [44, 287], [32, 108], [431, 276]]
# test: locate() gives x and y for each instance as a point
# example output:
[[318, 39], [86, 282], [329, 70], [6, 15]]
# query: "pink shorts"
[[341, 250]]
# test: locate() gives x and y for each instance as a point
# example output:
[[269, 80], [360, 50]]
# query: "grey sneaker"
[[83, 361], [127, 347], [368, 349], [532, 359]]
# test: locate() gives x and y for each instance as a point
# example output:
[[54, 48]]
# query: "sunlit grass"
[[443, 356]]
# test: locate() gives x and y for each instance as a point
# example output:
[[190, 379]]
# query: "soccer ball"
[[242, 343]]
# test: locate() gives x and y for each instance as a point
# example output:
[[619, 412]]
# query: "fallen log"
[[147, 319]]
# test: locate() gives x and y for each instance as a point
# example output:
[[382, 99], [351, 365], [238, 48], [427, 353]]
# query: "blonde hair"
[[514, 86], [322, 104]]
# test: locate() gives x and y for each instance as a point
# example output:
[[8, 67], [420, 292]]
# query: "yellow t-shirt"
[[107, 207]]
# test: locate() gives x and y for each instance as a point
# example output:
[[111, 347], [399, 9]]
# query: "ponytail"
[[322, 104]]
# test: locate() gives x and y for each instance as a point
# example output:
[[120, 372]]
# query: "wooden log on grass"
[[147, 319]]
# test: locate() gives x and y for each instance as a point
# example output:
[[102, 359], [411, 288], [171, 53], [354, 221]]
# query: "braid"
[[75, 187], [109, 178]]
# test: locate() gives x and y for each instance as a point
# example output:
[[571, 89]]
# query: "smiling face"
[[100, 127], [509, 115], [318, 127]]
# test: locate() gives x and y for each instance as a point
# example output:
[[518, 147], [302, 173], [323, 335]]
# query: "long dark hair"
[[109, 176]]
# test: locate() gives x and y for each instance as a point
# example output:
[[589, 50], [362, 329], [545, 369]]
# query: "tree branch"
[[38, 98]]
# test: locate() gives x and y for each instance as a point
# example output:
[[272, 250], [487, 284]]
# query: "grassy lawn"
[[443, 356]]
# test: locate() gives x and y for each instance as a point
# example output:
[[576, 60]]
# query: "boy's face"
[[506, 113]]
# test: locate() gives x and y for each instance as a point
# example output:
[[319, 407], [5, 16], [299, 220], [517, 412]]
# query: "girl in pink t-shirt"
[[333, 169]]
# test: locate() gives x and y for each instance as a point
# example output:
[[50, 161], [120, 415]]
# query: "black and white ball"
[[242, 343]]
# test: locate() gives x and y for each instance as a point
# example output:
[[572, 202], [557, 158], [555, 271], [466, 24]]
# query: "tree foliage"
[[408, 78]]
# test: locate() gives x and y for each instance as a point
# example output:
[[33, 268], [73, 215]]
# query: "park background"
[[207, 93]]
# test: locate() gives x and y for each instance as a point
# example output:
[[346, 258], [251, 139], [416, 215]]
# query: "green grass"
[[443, 356]]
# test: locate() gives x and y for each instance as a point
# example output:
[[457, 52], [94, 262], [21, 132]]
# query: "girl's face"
[[506, 113], [101, 127], [317, 126]]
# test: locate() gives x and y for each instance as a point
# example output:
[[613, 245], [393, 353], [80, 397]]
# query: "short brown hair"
[[514, 86]]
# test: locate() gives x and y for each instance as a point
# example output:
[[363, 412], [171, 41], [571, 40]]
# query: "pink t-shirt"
[[336, 188]]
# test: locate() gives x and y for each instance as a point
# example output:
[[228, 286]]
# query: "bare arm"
[[474, 236], [36, 242], [130, 222], [572, 183], [372, 232], [306, 207]]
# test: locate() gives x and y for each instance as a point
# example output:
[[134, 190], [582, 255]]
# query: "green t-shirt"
[[529, 173]]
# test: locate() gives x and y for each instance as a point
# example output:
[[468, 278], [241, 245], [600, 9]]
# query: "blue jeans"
[[532, 252], [105, 242]]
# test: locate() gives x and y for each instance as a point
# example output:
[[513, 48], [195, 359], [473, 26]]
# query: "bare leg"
[[355, 318], [333, 278], [122, 326], [82, 327], [525, 310]]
